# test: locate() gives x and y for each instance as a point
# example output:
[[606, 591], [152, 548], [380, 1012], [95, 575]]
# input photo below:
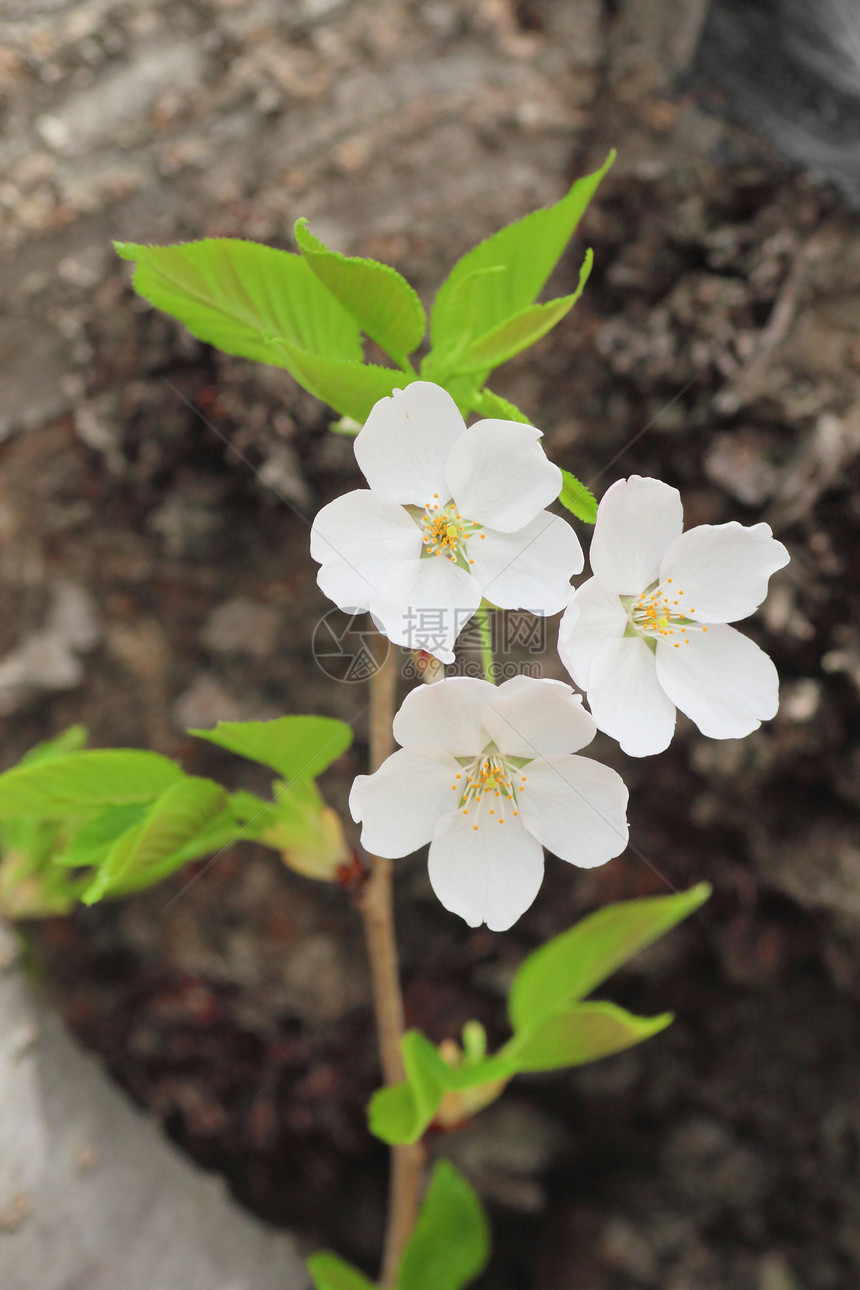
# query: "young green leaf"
[[349, 387], [519, 331], [331, 1273], [245, 298], [68, 742], [577, 498], [77, 783], [450, 1244], [297, 747], [381, 301], [585, 1033], [528, 252], [401, 1112], [493, 407], [570, 966], [158, 844], [94, 839]]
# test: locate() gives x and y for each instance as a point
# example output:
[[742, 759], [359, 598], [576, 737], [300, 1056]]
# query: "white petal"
[[425, 604], [356, 539], [530, 569], [627, 700], [576, 807], [721, 680], [406, 441], [594, 617], [637, 520], [722, 569], [446, 715], [529, 717], [401, 804], [490, 875], [499, 475]]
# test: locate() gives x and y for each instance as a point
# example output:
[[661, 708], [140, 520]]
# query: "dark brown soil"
[[718, 347]]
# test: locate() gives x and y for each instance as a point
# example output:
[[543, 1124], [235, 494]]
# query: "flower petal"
[[499, 475], [406, 441], [356, 539], [723, 569], [425, 604], [531, 717], [637, 520], [721, 680], [594, 617], [400, 805], [446, 715], [576, 807], [529, 569], [627, 700], [486, 875]]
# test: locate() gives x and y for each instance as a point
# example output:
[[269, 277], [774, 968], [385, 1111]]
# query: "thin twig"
[[407, 1164]]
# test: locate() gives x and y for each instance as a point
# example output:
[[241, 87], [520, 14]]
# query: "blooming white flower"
[[485, 775], [452, 515], [647, 633]]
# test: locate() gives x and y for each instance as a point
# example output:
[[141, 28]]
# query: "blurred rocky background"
[[152, 579]]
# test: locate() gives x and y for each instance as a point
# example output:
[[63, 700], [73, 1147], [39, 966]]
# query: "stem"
[[378, 916], [483, 616]]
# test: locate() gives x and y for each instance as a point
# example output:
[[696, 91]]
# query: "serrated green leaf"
[[159, 843], [450, 1244], [297, 747], [519, 331], [577, 498], [332, 1273], [94, 839], [461, 313], [379, 299], [350, 388], [528, 251], [78, 783], [245, 298], [570, 966], [583, 1034], [493, 407]]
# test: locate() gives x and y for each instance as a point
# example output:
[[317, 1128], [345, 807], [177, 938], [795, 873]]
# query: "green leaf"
[[349, 387], [297, 747], [158, 844], [450, 1244], [570, 966], [73, 784], [401, 1112], [494, 408], [69, 741], [577, 498], [586, 1033], [331, 1273], [245, 298], [528, 252], [462, 312], [91, 843], [381, 301], [519, 331]]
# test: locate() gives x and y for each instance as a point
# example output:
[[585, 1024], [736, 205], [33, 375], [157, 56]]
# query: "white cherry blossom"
[[486, 775], [647, 633], [451, 516]]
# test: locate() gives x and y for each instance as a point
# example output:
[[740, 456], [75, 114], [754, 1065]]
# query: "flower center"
[[488, 789], [660, 612], [446, 532]]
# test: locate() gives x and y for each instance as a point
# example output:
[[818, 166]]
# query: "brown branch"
[[378, 915]]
